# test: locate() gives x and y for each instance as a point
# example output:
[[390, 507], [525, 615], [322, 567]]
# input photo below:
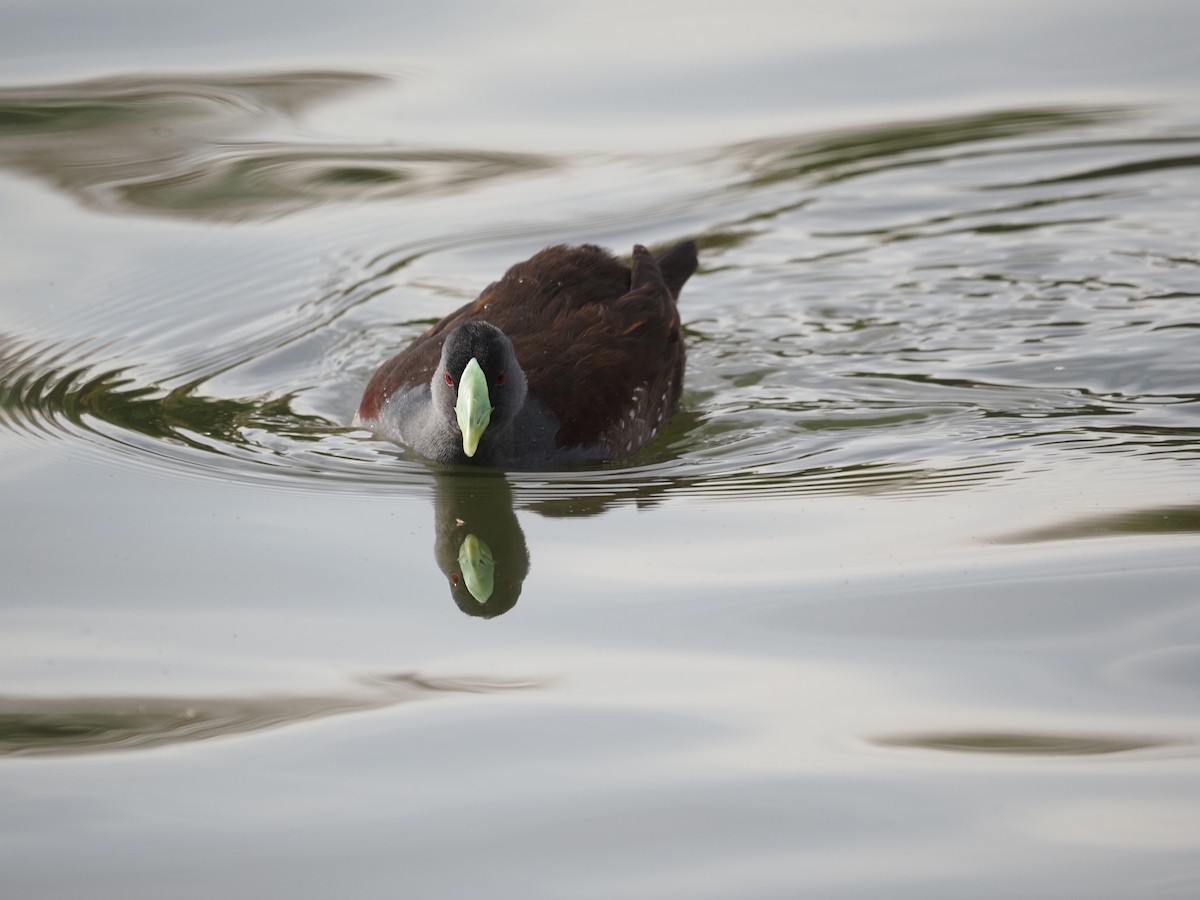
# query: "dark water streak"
[[58, 726], [182, 146]]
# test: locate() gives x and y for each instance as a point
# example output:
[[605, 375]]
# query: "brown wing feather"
[[621, 361]]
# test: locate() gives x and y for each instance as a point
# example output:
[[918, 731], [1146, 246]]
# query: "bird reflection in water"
[[479, 545]]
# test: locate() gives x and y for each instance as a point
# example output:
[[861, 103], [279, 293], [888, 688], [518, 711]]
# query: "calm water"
[[902, 604]]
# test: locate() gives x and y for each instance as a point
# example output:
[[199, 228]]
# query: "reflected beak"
[[474, 407], [478, 567]]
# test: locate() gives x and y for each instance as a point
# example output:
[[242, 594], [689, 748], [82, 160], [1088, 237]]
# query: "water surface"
[[900, 604]]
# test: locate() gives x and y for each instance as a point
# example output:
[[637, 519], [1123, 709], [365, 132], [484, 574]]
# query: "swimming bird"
[[570, 356]]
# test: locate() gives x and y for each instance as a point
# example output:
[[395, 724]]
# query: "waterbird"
[[570, 356]]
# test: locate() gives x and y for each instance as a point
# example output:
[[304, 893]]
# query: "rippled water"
[[810, 335], [901, 603]]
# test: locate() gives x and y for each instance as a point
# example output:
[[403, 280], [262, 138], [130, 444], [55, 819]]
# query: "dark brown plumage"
[[598, 344]]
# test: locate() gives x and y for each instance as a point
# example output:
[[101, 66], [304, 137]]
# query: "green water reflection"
[[1162, 520], [75, 725], [853, 154], [1025, 743], [182, 146]]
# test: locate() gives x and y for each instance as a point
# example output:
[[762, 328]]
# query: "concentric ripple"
[[910, 309]]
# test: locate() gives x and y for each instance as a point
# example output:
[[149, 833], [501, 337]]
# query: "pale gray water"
[[902, 604]]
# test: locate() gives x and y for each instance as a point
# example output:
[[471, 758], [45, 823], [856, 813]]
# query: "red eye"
[[454, 579], [501, 378], [449, 380]]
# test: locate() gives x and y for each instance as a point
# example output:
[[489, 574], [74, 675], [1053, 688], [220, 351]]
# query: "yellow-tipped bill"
[[474, 407], [478, 567]]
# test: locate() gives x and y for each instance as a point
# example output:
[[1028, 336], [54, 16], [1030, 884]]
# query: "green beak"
[[474, 408], [478, 567]]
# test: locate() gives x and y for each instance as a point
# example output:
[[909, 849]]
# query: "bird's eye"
[[501, 378], [449, 380], [455, 578]]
